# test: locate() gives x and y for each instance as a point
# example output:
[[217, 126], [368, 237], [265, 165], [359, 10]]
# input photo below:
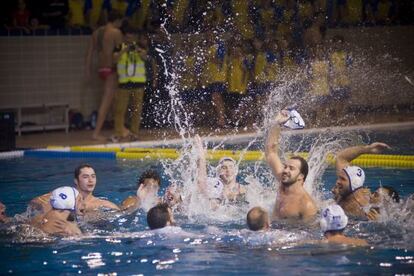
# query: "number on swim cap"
[[63, 196], [359, 173]]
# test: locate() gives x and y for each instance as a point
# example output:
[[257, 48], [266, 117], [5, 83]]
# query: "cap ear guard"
[[356, 177]]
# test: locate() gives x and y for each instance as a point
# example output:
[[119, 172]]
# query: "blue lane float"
[[69, 154]]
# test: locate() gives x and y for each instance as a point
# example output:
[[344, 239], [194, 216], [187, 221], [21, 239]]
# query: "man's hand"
[[373, 214], [282, 117], [377, 147]]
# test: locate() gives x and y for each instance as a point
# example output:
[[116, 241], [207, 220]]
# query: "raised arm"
[[345, 156], [201, 164], [272, 144]]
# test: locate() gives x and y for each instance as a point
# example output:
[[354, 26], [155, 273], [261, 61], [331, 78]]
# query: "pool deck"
[[83, 137]]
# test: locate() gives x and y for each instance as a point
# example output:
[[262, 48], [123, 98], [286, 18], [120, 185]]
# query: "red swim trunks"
[[105, 72]]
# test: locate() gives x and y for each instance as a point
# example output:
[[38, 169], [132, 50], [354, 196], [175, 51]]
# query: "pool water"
[[202, 245]]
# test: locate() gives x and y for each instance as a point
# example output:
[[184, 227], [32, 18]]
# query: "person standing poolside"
[[130, 58], [61, 219], [292, 201], [349, 191], [333, 222], [258, 219], [224, 187], [147, 192], [104, 41], [85, 181]]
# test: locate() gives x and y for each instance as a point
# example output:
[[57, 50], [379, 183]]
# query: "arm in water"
[[345, 156], [272, 144]]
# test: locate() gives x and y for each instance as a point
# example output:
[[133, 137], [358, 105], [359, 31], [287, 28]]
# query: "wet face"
[[149, 188], [86, 181], [341, 188], [291, 172], [379, 196], [227, 171]]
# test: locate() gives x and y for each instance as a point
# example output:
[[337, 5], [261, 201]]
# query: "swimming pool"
[[205, 245]]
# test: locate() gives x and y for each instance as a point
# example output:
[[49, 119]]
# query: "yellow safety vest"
[[131, 68]]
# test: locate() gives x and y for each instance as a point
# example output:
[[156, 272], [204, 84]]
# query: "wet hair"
[[257, 219], [149, 174], [304, 167], [158, 216], [79, 168], [392, 193], [114, 15]]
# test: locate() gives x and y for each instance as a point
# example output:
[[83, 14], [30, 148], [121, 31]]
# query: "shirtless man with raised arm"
[[349, 191], [292, 201], [224, 187], [104, 41]]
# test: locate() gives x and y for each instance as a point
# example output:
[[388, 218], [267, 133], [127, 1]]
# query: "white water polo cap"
[[333, 218], [295, 121], [64, 198], [356, 177]]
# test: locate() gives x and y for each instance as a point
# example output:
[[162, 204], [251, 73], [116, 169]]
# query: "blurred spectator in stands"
[[180, 13], [237, 78], [241, 18], [130, 59], [215, 18], [139, 11], [264, 16], [21, 16], [305, 10], [185, 56], [318, 81], [266, 71], [385, 12], [119, 6], [215, 75], [340, 83], [55, 13], [96, 12], [368, 11], [76, 17], [353, 15], [104, 40]]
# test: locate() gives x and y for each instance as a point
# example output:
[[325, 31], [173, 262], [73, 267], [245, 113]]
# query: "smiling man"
[[292, 201], [349, 191], [85, 181]]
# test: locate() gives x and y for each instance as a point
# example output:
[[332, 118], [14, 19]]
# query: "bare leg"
[[219, 107], [109, 92]]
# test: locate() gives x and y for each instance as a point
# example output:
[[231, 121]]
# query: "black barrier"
[[7, 135]]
